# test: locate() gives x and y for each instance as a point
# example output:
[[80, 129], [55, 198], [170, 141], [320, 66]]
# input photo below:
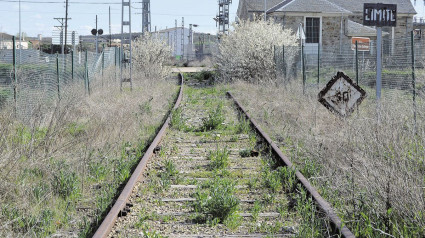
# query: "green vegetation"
[[219, 159], [177, 121], [218, 203], [214, 120]]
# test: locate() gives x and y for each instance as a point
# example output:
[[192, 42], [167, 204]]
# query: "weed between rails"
[[219, 159], [214, 120], [218, 204]]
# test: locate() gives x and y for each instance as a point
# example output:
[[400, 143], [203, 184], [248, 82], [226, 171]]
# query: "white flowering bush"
[[247, 53], [150, 54]]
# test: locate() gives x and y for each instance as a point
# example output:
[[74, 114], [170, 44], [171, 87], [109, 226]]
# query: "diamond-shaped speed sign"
[[341, 95]]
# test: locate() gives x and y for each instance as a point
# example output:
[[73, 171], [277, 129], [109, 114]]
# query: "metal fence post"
[[283, 61], [103, 61], [57, 75], [115, 59], [303, 65], [86, 74], [14, 75], [72, 64], [318, 64], [413, 81], [357, 63]]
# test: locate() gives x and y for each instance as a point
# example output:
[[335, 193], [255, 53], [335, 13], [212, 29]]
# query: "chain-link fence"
[[30, 79], [403, 69], [321, 63]]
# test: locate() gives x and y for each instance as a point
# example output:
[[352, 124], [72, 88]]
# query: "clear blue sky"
[[419, 7], [37, 15]]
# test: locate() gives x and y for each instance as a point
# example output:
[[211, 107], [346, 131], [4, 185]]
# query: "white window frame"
[[320, 30]]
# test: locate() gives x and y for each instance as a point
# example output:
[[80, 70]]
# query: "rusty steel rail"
[[322, 203], [120, 204]]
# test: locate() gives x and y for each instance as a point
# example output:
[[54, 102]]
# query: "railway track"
[[214, 174]]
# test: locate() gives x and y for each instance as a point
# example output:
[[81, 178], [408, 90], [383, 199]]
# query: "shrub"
[[247, 52], [150, 55]]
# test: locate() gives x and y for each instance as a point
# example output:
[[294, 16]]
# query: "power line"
[[61, 2]]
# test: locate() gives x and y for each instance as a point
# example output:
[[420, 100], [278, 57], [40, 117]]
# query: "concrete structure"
[[169, 35], [7, 43]]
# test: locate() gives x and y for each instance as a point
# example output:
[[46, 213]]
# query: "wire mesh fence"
[[31, 79], [318, 64], [403, 69]]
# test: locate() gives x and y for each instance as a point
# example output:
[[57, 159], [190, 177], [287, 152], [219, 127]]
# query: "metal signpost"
[[379, 15], [341, 95]]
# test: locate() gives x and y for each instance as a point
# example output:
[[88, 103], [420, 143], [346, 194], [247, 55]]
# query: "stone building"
[[332, 23], [254, 9]]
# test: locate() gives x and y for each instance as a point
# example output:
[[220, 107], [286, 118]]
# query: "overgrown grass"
[[62, 168], [368, 170]]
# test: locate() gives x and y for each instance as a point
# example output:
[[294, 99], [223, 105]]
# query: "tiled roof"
[[336, 6], [258, 5], [403, 6], [357, 29], [313, 6]]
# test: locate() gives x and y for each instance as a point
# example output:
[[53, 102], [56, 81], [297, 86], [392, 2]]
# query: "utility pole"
[[20, 34], [126, 23], [61, 28], [110, 31], [182, 37], [97, 50], [66, 24], [175, 41], [146, 16], [223, 16], [190, 48]]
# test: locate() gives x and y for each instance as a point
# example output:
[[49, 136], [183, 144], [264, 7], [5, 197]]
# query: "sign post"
[[379, 15]]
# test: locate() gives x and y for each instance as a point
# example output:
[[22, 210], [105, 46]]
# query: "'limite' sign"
[[378, 14]]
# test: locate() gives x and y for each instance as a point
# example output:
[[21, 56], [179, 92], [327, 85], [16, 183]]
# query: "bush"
[[247, 52], [150, 54]]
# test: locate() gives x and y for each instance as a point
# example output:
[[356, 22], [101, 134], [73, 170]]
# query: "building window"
[[312, 29]]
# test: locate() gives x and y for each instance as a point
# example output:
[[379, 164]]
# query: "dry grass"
[[59, 169], [373, 173]]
